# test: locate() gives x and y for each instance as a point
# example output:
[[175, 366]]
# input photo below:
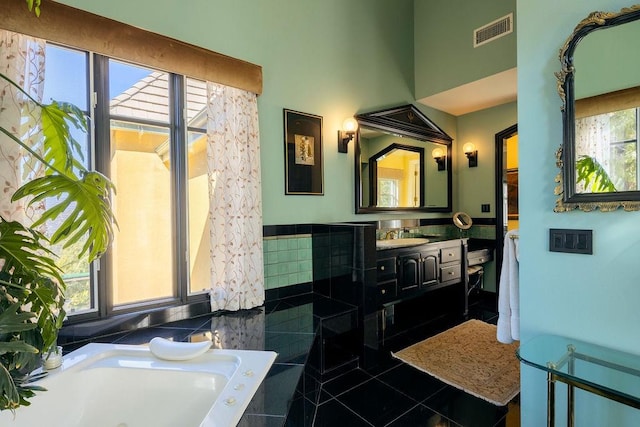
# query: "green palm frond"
[[591, 173], [11, 321], [24, 254], [84, 202], [34, 5], [60, 148]]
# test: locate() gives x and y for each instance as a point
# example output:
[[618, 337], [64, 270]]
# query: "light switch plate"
[[571, 241]]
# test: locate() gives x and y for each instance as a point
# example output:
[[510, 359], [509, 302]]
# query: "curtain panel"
[[22, 59], [235, 199]]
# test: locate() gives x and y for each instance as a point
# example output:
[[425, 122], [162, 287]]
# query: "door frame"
[[500, 177]]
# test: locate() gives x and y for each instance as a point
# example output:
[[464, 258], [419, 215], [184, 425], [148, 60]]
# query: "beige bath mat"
[[469, 357]]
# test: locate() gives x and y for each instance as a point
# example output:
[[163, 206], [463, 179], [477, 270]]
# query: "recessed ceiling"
[[488, 92]]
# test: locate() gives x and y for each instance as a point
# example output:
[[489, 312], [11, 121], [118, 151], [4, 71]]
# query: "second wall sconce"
[[471, 153], [440, 157], [349, 127]]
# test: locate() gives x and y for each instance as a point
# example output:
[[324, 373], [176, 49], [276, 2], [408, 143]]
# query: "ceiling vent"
[[493, 30]]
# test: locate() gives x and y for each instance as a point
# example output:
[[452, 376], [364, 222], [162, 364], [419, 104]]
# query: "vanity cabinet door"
[[429, 264], [409, 274]]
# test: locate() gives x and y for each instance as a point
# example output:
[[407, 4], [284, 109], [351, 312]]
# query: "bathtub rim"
[[251, 369]]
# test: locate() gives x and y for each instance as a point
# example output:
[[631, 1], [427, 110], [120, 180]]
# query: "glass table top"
[[612, 371]]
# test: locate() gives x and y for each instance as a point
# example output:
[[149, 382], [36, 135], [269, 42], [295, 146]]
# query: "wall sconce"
[[440, 157], [349, 127], [471, 153]]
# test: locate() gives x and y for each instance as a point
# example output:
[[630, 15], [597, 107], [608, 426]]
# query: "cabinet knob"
[[481, 259], [382, 267], [451, 273], [384, 291]]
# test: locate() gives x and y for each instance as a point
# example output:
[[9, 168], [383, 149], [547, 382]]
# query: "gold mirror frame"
[[605, 202]]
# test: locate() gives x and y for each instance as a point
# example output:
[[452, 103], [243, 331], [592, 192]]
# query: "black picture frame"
[[303, 154]]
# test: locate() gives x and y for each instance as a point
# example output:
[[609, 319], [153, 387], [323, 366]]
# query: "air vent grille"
[[493, 30]]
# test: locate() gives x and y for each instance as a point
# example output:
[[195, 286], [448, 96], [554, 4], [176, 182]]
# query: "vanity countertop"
[[382, 245]]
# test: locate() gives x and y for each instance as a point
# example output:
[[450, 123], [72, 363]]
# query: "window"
[[388, 192], [624, 149], [66, 78], [156, 157], [607, 147]]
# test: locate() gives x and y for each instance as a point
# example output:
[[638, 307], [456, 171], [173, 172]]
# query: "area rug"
[[470, 358]]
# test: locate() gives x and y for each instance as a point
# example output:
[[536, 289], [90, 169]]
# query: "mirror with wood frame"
[[395, 168], [599, 85]]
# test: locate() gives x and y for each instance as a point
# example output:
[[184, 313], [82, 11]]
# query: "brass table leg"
[[570, 389], [551, 400]]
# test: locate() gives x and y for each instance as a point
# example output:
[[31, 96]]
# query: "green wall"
[[476, 186], [593, 59], [332, 58], [444, 54], [589, 297]]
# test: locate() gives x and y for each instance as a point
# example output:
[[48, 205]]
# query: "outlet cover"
[[485, 207]]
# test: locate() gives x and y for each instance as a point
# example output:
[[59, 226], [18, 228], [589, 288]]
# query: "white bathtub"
[[126, 386]]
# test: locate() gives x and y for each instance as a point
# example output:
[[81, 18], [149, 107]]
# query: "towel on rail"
[[509, 291]]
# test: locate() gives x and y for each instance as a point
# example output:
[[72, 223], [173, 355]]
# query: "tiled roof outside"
[[147, 99]]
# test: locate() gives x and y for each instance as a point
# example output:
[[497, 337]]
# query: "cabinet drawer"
[[448, 273], [479, 256], [386, 268], [387, 291], [450, 254]]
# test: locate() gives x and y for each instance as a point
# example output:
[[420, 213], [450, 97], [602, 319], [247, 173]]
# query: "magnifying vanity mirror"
[[462, 220], [395, 169], [599, 85]]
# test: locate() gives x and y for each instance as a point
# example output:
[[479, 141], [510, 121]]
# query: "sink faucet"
[[391, 234]]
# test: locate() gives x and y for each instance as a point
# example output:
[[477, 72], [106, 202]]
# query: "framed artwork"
[[303, 154], [512, 193]]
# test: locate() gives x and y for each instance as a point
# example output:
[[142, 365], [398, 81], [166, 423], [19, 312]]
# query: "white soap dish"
[[171, 350]]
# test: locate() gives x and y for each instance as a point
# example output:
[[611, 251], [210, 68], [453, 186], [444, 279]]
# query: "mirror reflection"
[[606, 110], [394, 165], [600, 87], [396, 176]]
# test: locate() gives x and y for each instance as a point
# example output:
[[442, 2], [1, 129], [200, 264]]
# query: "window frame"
[[100, 148]]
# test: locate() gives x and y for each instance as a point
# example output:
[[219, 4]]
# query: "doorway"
[[507, 212]]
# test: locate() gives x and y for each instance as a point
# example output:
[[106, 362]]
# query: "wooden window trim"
[[613, 101], [76, 28]]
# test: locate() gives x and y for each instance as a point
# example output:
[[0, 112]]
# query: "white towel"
[[509, 291]]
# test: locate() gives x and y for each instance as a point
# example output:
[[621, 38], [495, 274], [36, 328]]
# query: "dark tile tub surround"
[[289, 326]]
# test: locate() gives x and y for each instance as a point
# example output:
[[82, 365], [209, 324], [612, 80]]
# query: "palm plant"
[[31, 284], [593, 175]]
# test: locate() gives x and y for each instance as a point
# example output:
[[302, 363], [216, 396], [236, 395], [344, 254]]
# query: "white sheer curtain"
[[235, 199], [22, 59], [593, 139]]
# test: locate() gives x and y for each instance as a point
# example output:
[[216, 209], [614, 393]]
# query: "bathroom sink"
[[400, 243]]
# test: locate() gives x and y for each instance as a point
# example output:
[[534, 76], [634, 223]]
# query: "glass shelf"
[[609, 373]]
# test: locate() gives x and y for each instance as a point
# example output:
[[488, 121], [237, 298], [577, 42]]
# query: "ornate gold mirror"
[[599, 85], [395, 165]]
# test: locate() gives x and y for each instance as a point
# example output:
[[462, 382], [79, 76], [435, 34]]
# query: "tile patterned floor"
[[397, 395]]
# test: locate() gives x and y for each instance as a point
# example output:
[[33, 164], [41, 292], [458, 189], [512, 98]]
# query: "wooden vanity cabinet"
[[405, 272], [401, 296]]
